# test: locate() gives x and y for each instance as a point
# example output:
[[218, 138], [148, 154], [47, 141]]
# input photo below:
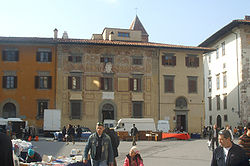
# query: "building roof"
[[129, 43], [27, 40], [35, 40], [137, 25], [223, 31]]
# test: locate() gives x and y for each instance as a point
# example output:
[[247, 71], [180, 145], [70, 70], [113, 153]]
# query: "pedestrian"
[[228, 153], [6, 155], [134, 132], [70, 136], [100, 147], [229, 129], [64, 132], [133, 158], [213, 136], [115, 141], [244, 141], [235, 132], [78, 132], [33, 156]]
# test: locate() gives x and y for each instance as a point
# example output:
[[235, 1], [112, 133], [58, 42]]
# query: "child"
[[133, 158]]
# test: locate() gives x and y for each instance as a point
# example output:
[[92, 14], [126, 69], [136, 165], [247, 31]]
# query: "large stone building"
[[119, 74], [227, 90], [113, 75], [27, 78]]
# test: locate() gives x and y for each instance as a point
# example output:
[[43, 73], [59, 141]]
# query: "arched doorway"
[[181, 113], [9, 110], [107, 111], [219, 121]]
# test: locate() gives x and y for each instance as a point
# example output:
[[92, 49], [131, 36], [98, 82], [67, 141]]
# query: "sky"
[[180, 22]]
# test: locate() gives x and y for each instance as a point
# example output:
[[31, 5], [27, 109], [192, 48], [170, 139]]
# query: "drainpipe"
[[159, 84], [238, 82]]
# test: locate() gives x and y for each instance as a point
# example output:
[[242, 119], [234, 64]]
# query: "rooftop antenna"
[[136, 10]]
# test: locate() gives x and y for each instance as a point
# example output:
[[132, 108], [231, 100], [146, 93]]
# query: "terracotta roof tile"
[[127, 43]]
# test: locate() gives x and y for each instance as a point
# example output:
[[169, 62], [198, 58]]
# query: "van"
[[142, 124], [163, 125]]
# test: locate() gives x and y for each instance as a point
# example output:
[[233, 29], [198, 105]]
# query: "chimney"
[[55, 33], [111, 36], [65, 35], [247, 17]]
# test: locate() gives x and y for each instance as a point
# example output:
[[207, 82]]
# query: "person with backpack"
[[115, 141], [134, 131]]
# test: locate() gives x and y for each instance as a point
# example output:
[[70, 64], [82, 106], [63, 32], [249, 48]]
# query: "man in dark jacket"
[[100, 147], [134, 132], [6, 155], [244, 141], [228, 153], [79, 133]]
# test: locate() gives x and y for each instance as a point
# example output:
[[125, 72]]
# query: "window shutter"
[[17, 55], [169, 85], [187, 61], [36, 82], [102, 83], [15, 82], [70, 58], [4, 55], [131, 85], [174, 60], [50, 56], [69, 82], [49, 82], [163, 60], [37, 56], [196, 61], [78, 82], [4, 81]]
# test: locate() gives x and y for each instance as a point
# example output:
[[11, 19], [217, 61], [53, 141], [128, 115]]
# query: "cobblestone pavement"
[[157, 153]]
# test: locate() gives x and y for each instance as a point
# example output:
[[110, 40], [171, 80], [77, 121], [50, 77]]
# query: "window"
[[123, 34], [43, 82], [225, 101], [74, 82], [41, 106], [75, 58], [218, 102], [209, 84], [217, 53], [75, 107], [169, 84], [9, 82], [192, 84], [10, 55], [209, 72], [107, 83], [137, 109], [137, 60], [218, 81], [43, 56], [192, 61], [169, 59], [209, 58], [224, 65], [224, 80], [225, 118], [223, 48], [210, 103], [136, 83], [210, 120], [106, 59]]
